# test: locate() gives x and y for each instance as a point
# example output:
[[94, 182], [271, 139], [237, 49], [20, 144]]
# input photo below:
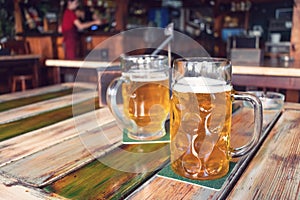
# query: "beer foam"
[[201, 85], [147, 77]]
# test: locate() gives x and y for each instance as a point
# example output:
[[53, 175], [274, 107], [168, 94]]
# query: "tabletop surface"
[[19, 57], [79, 63], [266, 68], [56, 143]]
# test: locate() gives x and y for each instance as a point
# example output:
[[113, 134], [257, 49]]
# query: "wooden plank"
[[161, 188], [99, 181], [33, 99], [41, 107], [10, 190], [291, 106], [58, 160], [33, 92], [274, 172], [20, 57], [24, 145], [24, 119], [80, 64], [44, 90], [266, 71], [17, 99], [266, 81], [295, 33]]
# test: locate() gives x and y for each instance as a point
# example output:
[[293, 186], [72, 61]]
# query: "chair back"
[[18, 47]]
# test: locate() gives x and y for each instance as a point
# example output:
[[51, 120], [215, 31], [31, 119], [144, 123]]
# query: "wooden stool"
[[22, 79]]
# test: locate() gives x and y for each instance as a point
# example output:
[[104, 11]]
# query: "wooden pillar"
[[295, 34], [18, 17], [121, 14]]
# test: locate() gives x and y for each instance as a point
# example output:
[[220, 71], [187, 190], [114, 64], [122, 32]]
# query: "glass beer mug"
[[144, 89], [200, 118]]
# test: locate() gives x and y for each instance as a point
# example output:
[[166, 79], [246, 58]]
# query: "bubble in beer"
[[191, 164], [190, 122], [157, 108], [203, 146], [181, 144], [215, 162], [180, 107]]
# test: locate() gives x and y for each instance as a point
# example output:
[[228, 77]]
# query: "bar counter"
[[50, 142], [266, 68], [271, 73]]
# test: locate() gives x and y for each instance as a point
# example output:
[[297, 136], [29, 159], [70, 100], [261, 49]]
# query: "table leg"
[[56, 75], [35, 82], [292, 96]]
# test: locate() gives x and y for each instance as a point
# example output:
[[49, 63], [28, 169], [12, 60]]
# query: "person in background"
[[70, 26]]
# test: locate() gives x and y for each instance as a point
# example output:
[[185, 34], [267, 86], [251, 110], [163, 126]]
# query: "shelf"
[[278, 44]]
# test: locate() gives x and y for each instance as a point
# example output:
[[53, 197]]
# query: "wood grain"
[[9, 189], [30, 117], [291, 106], [295, 33], [266, 71], [168, 189], [33, 92], [274, 172], [58, 160], [42, 107], [22, 101], [79, 64], [100, 181], [24, 145], [17, 99]]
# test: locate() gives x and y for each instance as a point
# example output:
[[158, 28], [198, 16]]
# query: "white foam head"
[[201, 85], [146, 77]]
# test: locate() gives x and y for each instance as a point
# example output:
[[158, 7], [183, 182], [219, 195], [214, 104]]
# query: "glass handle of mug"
[[111, 99], [257, 106]]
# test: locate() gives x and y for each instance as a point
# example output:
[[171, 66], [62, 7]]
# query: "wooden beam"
[[18, 17], [295, 33], [121, 14]]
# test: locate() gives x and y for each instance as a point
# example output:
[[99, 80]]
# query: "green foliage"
[[6, 18]]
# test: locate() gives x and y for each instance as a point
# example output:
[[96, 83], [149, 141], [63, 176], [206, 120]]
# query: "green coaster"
[[127, 140], [216, 184]]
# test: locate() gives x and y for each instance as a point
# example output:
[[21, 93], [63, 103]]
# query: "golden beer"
[[200, 128], [147, 103]]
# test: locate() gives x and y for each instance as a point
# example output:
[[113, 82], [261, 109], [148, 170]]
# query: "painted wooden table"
[[59, 144]]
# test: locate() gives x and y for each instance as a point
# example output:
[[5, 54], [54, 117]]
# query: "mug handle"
[[111, 99], [257, 106]]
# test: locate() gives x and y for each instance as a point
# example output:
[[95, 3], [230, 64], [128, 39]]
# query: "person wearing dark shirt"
[[70, 26]]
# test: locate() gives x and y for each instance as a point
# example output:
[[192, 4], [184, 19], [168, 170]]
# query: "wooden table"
[[49, 145], [63, 67], [101, 73], [270, 74], [29, 61]]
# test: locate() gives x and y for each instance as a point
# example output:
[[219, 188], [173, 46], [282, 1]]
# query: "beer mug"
[[200, 118], [144, 89]]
